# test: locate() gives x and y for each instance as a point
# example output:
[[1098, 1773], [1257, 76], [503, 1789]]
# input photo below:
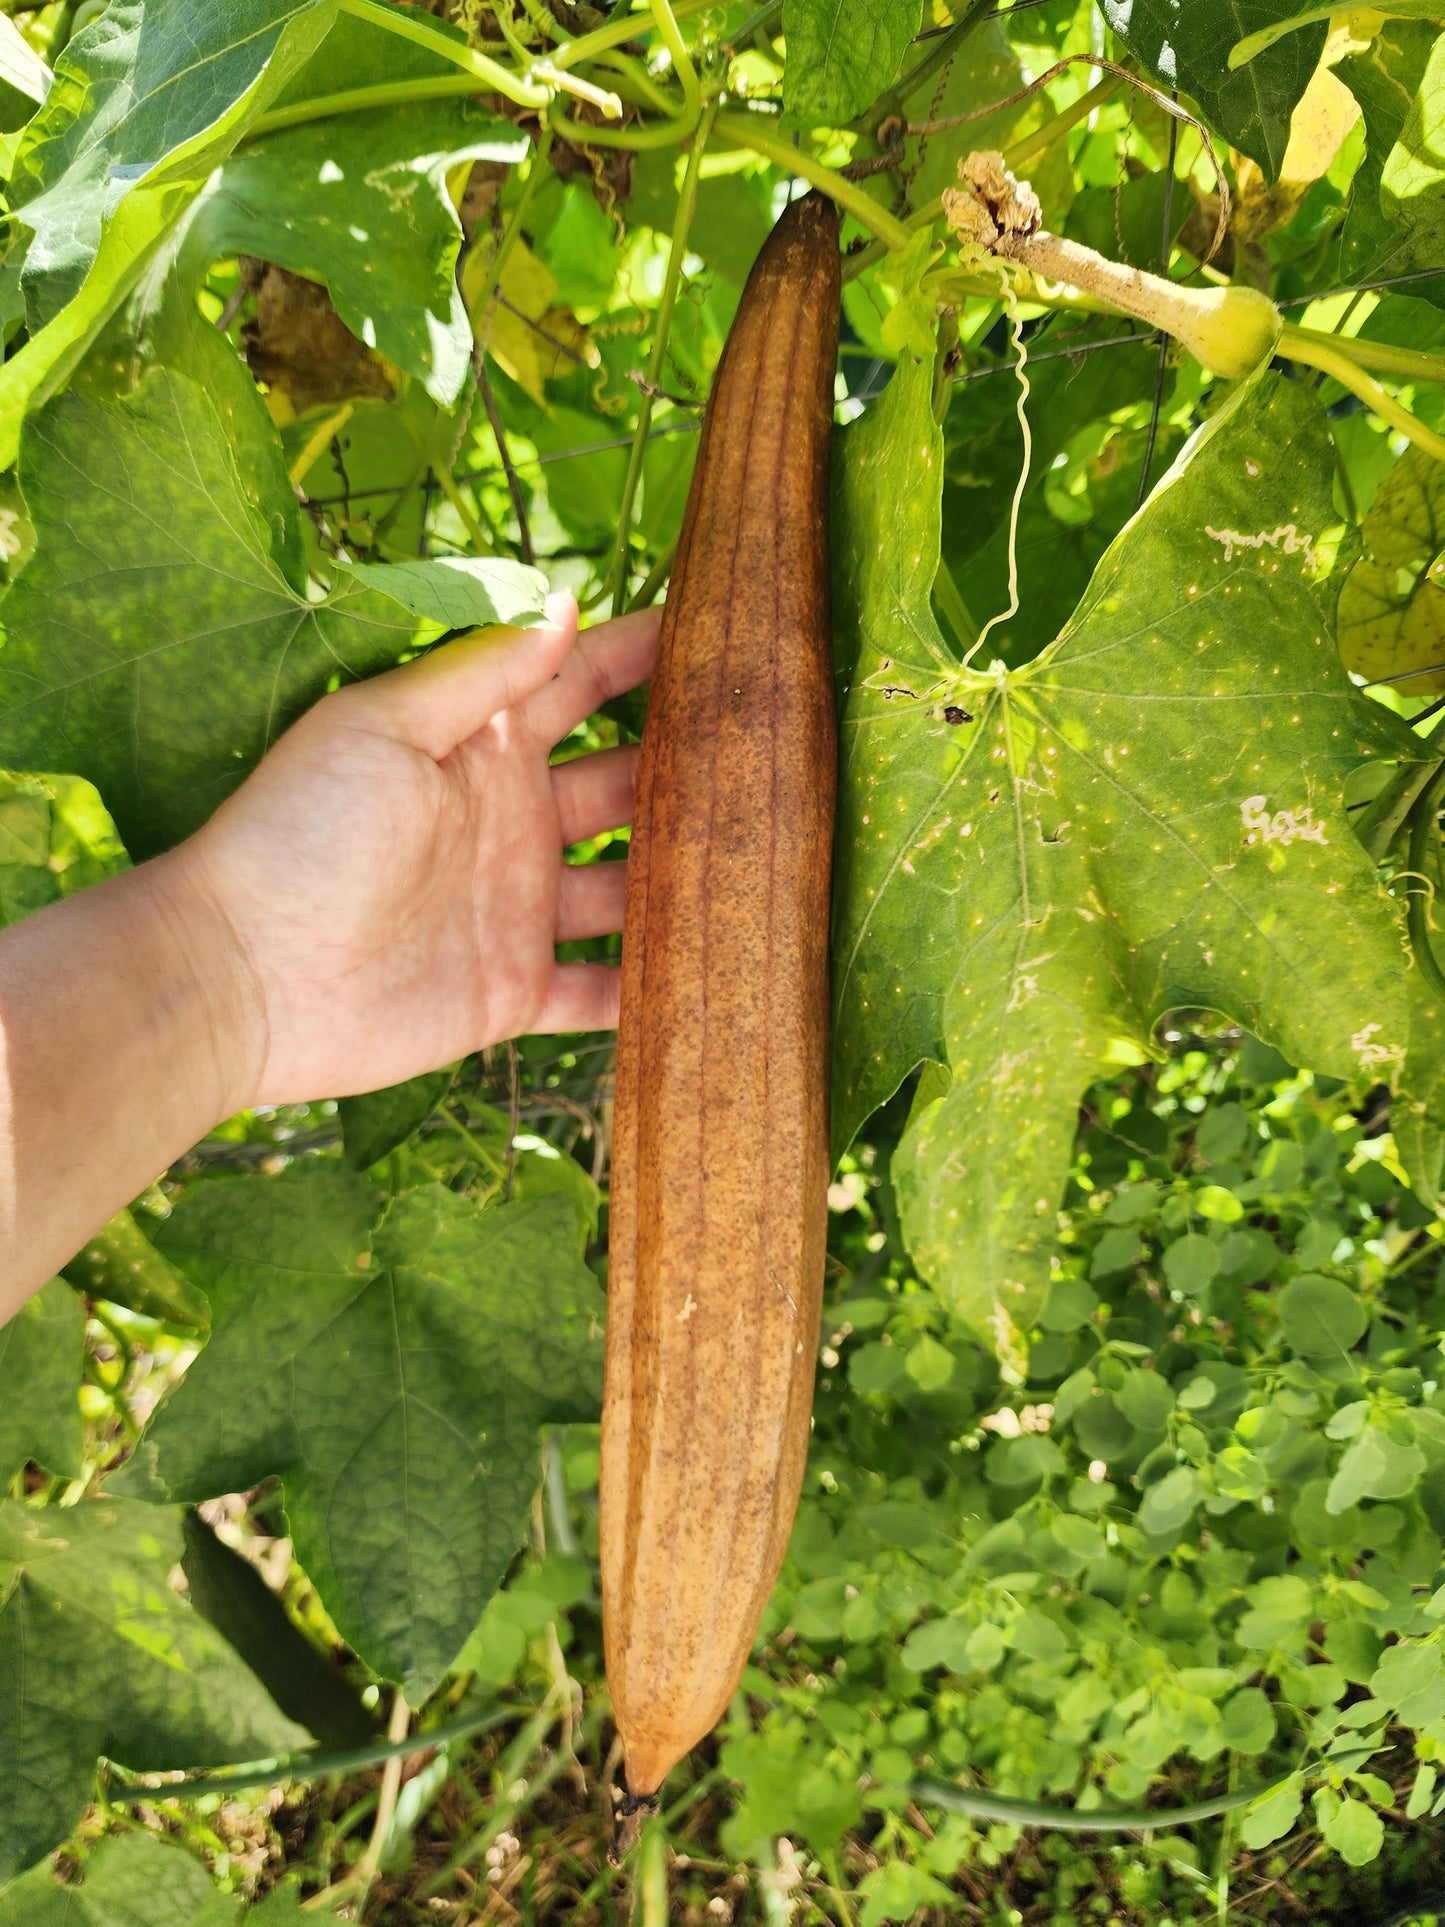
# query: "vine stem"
[[589, 45], [360, 100], [486, 71], [742, 130], [1323, 352], [1410, 364], [1019, 155], [682, 223], [670, 132], [1037, 1813]]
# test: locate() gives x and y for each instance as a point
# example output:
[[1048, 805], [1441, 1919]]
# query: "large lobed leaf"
[[154, 644], [394, 1375], [359, 201], [100, 1654], [149, 81], [1186, 45], [162, 636], [146, 101], [1035, 865], [136, 1880]]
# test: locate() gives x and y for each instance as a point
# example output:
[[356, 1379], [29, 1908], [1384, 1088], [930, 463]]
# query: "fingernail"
[[561, 608]]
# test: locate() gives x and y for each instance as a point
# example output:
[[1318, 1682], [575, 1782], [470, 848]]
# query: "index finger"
[[609, 660], [442, 698]]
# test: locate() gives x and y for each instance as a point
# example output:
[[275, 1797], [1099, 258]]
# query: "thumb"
[[442, 698]]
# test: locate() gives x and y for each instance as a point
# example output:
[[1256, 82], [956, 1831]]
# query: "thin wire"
[[1362, 287], [1142, 336], [1407, 675], [1167, 246], [997, 13]]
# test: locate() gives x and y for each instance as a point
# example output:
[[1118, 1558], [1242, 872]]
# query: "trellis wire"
[[1144, 336]]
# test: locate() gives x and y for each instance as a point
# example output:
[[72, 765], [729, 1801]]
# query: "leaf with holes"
[[360, 202], [1035, 865]]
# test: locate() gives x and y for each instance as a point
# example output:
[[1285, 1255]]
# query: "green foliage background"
[[333, 326]]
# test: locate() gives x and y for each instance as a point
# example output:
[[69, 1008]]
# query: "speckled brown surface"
[[720, 1159]]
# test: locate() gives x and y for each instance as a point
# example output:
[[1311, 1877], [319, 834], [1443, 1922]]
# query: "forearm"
[[127, 1031]]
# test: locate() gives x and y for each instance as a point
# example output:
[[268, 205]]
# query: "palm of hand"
[[394, 868]]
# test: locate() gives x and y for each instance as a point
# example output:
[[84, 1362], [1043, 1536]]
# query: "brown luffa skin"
[[720, 1152]]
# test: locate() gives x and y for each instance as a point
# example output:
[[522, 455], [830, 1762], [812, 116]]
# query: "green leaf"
[[145, 104], [730, 222], [938, 1642], [1412, 1680], [1375, 1467], [1187, 43], [929, 1364], [99, 1654], [395, 1379], [158, 90], [1356, 1832], [1295, 17], [842, 54], [1115, 1253], [1274, 1816], [1191, 1263], [120, 1263], [1412, 188], [899, 1891], [21, 70], [1280, 1607], [1392, 603], [1166, 1507], [1146, 817], [55, 838], [1384, 77], [154, 643], [1070, 1303], [1247, 1721], [462, 591], [41, 1350], [307, 1684], [359, 201], [1321, 1317], [130, 1880], [984, 69], [375, 1123]]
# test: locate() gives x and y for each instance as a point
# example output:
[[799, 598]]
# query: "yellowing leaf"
[[1318, 127], [1392, 606], [527, 332]]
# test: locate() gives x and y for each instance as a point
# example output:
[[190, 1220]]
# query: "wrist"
[[203, 995]]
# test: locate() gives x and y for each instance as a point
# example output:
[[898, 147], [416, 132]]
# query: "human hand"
[[391, 876]]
